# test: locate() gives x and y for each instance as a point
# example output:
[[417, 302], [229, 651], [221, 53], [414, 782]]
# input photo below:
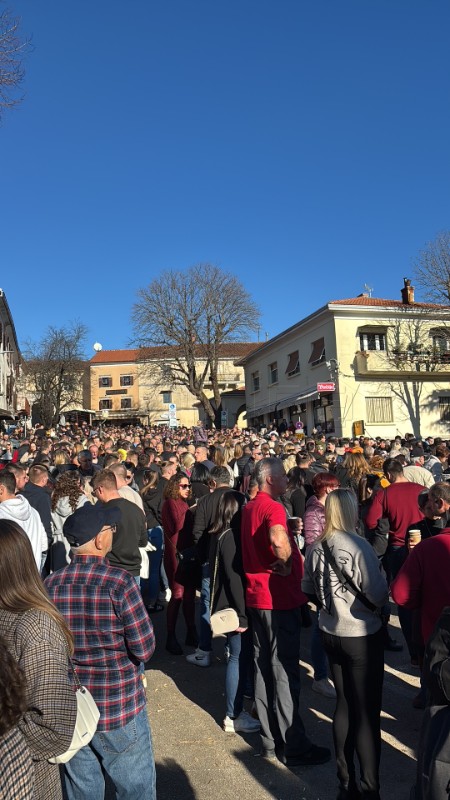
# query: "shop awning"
[[309, 394]]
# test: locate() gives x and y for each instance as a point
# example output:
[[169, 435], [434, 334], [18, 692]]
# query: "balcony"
[[409, 362]]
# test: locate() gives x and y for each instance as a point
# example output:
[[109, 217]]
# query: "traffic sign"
[[326, 387]]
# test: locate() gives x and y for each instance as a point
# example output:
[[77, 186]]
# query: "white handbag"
[[226, 620], [86, 723]]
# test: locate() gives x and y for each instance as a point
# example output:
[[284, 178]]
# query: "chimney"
[[407, 292]]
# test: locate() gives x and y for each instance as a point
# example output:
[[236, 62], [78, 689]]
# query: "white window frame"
[[272, 370]]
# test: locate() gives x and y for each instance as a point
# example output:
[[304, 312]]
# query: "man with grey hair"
[[273, 570]]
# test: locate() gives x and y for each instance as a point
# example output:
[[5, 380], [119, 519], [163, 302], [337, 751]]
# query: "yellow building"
[[386, 363], [139, 386]]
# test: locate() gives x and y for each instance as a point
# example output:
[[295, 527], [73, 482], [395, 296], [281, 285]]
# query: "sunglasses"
[[184, 485]]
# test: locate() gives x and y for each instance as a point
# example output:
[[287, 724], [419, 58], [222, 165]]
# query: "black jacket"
[[39, 498], [205, 517], [228, 587], [130, 535]]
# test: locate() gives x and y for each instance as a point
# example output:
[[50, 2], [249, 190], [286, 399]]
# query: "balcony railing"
[[399, 360]]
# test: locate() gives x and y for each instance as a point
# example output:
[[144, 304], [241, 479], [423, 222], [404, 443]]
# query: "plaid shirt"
[[113, 634]]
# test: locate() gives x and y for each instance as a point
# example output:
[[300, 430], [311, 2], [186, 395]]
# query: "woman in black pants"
[[342, 572]]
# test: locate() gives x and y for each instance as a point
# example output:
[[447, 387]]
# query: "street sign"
[[172, 415], [326, 387], [224, 418]]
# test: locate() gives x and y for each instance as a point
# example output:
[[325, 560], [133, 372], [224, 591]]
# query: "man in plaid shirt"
[[113, 637]]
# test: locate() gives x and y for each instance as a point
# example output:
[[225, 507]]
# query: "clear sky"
[[303, 145]]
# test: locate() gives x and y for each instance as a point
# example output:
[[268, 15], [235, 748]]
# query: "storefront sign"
[[326, 387]]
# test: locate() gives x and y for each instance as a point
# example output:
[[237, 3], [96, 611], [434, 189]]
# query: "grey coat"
[[37, 642]]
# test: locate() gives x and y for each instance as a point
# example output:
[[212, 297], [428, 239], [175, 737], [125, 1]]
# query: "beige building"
[[128, 387], [387, 363], [10, 360]]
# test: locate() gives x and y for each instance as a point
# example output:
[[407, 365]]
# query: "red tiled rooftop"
[[226, 350], [377, 301]]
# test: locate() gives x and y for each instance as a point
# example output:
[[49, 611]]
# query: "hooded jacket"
[[19, 510]]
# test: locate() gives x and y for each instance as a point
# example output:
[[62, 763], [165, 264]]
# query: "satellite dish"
[[97, 347]]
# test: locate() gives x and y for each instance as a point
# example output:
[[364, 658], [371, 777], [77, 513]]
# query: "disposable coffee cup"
[[294, 524], [415, 537]]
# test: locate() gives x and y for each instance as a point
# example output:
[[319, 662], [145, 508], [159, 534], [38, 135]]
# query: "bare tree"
[[54, 368], [432, 269], [12, 51], [190, 315]]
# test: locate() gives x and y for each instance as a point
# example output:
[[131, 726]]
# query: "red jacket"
[[398, 503], [424, 580]]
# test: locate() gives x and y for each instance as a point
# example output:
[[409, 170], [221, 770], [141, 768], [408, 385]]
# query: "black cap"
[[86, 522]]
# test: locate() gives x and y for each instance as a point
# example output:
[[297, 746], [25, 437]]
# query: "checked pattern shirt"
[[113, 634]]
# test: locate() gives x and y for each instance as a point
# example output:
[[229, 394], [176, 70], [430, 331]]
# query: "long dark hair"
[[21, 587], [228, 507], [13, 701]]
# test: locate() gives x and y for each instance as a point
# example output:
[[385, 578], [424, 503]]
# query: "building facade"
[[10, 360], [136, 386], [386, 363]]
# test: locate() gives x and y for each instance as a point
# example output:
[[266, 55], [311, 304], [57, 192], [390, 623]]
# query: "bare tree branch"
[[432, 269], [194, 312], [54, 369], [12, 51]]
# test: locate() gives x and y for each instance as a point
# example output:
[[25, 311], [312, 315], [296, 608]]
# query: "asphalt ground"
[[195, 759]]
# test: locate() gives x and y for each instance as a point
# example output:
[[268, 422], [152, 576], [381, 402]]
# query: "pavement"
[[196, 760]]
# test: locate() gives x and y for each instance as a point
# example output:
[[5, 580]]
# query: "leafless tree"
[[54, 369], [12, 51], [191, 314], [432, 269]]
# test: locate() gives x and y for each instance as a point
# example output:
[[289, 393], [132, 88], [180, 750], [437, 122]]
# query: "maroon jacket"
[[398, 504]]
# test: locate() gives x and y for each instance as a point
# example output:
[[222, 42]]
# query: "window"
[[273, 372], [255, 381], [317, 352], [379, 409], [441, 343], [444, 409], [166, 397], [293, 367], [105, 405], [104, 381], [125, 402], [372, 341], [126, 380]]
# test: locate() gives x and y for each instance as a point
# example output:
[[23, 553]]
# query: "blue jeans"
[[150, 585], [205, 639], [318, 655], [124, 754], [239, 665]]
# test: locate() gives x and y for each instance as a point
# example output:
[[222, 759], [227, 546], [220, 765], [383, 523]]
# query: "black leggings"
[[357, 668]]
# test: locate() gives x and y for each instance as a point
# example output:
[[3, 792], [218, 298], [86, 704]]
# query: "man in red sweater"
[[423, 581], [398, 503], [273, 570]]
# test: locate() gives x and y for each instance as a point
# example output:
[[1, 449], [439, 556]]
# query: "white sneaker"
[[165, 595], [244, 723], [201, 658], [325, 688]]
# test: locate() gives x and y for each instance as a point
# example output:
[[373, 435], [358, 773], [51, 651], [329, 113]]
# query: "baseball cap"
[[86, 522]]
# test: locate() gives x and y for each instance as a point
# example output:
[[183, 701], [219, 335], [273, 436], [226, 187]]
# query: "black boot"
[[191, 637], [173, 645]]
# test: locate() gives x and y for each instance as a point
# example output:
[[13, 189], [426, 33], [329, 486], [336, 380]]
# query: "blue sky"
[[303, 146]]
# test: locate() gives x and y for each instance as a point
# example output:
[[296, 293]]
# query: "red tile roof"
[[226, 350], [377, 301]]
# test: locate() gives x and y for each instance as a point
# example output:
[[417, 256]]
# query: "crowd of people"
[[100, 530]]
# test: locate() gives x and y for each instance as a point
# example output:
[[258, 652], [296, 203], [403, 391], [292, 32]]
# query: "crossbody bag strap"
[[345, 579], [216, 565]]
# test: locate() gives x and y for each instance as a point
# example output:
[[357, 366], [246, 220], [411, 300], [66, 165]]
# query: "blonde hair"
[[289, 463], [341, 512]]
